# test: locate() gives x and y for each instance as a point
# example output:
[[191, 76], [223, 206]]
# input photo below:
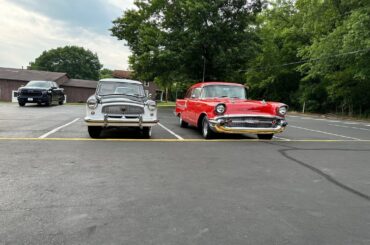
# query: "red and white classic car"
[[221, 107]]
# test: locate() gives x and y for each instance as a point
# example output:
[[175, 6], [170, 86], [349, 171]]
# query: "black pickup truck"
[[41, 92]]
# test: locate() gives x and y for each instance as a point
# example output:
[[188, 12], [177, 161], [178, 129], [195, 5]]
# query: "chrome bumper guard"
[[220, 127]]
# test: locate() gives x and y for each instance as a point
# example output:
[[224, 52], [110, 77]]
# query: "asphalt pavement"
[[309, 185]]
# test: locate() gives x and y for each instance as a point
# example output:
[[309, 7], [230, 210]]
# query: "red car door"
[[193, 106]]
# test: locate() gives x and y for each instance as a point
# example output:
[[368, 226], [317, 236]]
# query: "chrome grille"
[[123, 110], [252, 122]]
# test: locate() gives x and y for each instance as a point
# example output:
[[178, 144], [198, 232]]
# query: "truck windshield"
[[224, 91], [121, 88], [38, 84]]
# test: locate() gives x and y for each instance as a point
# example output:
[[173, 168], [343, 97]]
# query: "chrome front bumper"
[[121, 122], [218, 125]]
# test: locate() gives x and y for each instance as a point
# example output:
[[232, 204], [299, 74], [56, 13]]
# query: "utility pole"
[[204, 67]]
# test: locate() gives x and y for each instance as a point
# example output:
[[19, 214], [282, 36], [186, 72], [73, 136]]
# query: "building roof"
[[120, 80], [29, 75], [79, 83], [122, 74]]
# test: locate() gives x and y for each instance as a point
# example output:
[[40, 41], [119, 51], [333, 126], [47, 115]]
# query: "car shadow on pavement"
[[196, 132], [121, 133]]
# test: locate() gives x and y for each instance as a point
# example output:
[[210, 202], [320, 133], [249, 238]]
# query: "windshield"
[[38, 84], [224, 91], [121, 88]]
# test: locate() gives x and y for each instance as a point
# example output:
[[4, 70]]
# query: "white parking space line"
[[57, 129], [365, 129], [171, 132], [322, 132], [281, 138], [292, 116], [351, 123]]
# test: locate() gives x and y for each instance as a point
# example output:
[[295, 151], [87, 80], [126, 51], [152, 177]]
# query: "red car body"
[[240, 116]]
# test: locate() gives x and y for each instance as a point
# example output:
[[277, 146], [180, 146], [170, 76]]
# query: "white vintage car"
[[120, 103]]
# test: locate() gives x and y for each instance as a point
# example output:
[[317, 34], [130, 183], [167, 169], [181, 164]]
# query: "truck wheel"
[[94, 131], [21, 103], [50, 101], [61, 102], [265, 136], [183, 124], [147, 132], [206, 129]]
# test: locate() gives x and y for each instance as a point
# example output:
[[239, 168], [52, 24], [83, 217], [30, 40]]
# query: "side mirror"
[[54, 88]]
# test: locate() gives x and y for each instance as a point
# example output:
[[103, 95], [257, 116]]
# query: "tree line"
[[312, 53]]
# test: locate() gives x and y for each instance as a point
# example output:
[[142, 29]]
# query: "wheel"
[[50, 101], [94, 131], [21, 103], [147, 132], [183, 124], [265, 136], [206, 129], [38, 103], [61, 102]]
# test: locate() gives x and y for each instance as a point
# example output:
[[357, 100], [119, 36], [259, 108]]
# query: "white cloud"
[[25, 35]]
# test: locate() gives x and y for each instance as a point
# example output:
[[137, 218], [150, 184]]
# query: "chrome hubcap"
[[205, 128]]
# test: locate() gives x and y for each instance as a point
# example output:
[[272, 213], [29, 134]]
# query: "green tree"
[[339, 51], [105, 73], [272, 74], [77, 62], [176, 41]]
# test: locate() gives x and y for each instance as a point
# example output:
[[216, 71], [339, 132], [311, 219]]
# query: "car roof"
[[41, 81], [203, 84], [120, 80]]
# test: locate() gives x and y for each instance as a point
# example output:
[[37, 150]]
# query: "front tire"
[[94, 131], [147, 132], [50, 101], [206, 129], [265, 136], [21, 104], [183, 124]]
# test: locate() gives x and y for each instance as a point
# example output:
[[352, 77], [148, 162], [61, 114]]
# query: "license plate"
[[30, 99]]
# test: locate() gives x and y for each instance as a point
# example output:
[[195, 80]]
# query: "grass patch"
[[164, 104]]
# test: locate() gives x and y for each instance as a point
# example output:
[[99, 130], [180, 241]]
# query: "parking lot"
[[309, 185]]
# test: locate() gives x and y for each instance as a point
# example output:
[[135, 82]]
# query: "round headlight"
[[283, 110], [152, 106], [92, 103], [220, 109]]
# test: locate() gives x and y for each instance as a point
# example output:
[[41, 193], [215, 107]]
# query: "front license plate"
[[30, 99]]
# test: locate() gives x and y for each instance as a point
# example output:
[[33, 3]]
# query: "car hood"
[[241, 106], [33, 88]]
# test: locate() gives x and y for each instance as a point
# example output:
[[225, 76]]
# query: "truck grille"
[[252, 122], [123, 110], [31, 93]]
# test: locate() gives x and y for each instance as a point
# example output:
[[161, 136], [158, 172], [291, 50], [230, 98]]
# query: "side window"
[[196, 93], [187, 95]]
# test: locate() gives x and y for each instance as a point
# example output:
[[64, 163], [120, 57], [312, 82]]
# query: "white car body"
[[121, 109]]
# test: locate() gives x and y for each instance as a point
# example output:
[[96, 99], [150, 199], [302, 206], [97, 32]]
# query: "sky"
[[29, 27]]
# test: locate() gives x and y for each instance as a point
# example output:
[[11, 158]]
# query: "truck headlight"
[[92, 103], [220, 109], [283, 110], [152, 106]]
